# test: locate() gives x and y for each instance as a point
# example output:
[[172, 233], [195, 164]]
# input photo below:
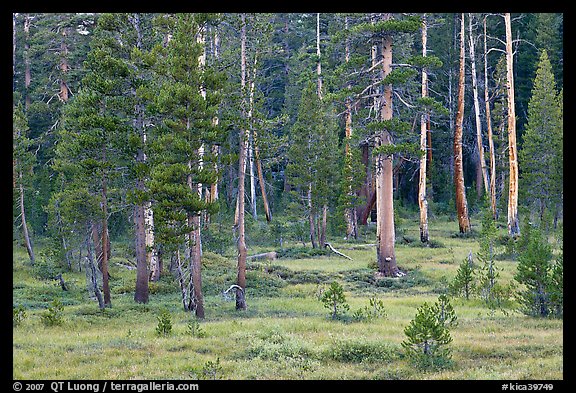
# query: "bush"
[[361, 351], [53, 316]]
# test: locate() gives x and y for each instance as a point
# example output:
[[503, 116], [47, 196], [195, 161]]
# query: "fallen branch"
[[267, 255], [337, 252], [234, 286]]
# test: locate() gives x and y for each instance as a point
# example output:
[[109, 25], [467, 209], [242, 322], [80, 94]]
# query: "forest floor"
[[285, 333]]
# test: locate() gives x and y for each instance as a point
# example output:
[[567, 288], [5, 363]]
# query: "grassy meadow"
[[285, 333]]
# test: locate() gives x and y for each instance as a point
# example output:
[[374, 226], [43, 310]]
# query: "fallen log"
[[336, 251]]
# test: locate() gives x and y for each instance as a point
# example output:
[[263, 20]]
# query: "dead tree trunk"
[[513, 223], [491, 151], [422, 202], [386, 256], [461, 204], [479, 144], [27, 240], [242, 251]]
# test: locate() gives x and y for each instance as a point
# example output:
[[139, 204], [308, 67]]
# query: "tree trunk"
[[422, 202], [196, 265], [152, 257], [27, 72], [513, 223], [492, 153], [63, 67], [242, 251], [480, 146], [27, 240], [267, 211], [143, 228], [252, 179], [349, 213], [311, 217], [91, 274], [215, 148], [461, 204], [324, 225], [386, 256], [141, 293], [105, 244], [318, 65]]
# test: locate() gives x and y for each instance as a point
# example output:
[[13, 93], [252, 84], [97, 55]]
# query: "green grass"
[[285, 333]]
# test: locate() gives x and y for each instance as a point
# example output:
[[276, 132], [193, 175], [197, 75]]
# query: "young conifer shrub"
[[463, 283], [164, 327], [335, 300], [428, 335], [540, 279]]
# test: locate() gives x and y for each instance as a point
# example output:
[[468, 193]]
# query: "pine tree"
[[534, 273], [542, 150], [180, 158], [428, 335]]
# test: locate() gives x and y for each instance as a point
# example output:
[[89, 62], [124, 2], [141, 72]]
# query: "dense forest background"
[[376, 165], [99, 101]]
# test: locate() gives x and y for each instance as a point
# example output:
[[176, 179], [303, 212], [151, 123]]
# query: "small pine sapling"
[[335, 300], [428, 334], [53, 316], [463, 283], [164, 327]]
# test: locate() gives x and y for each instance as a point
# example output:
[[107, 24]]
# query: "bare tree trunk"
[[384, 175], [311, 217], [27, 72], [324, 225], [252, 179], [152, 255], [215, 148], [105, 243], [513, 223], [142, 209], [318, 65], [242, 251], [350, 213], [492, 153], [91, 274], [27, 240], [461, 204], [480, 146], [141, 292], [196, 265], [422, 202], [267, 211]]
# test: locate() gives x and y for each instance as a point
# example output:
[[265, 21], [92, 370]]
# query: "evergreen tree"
[[534, 272], [542, 149], [463, 282], [428, 335], [94, 152], [180, 154]]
